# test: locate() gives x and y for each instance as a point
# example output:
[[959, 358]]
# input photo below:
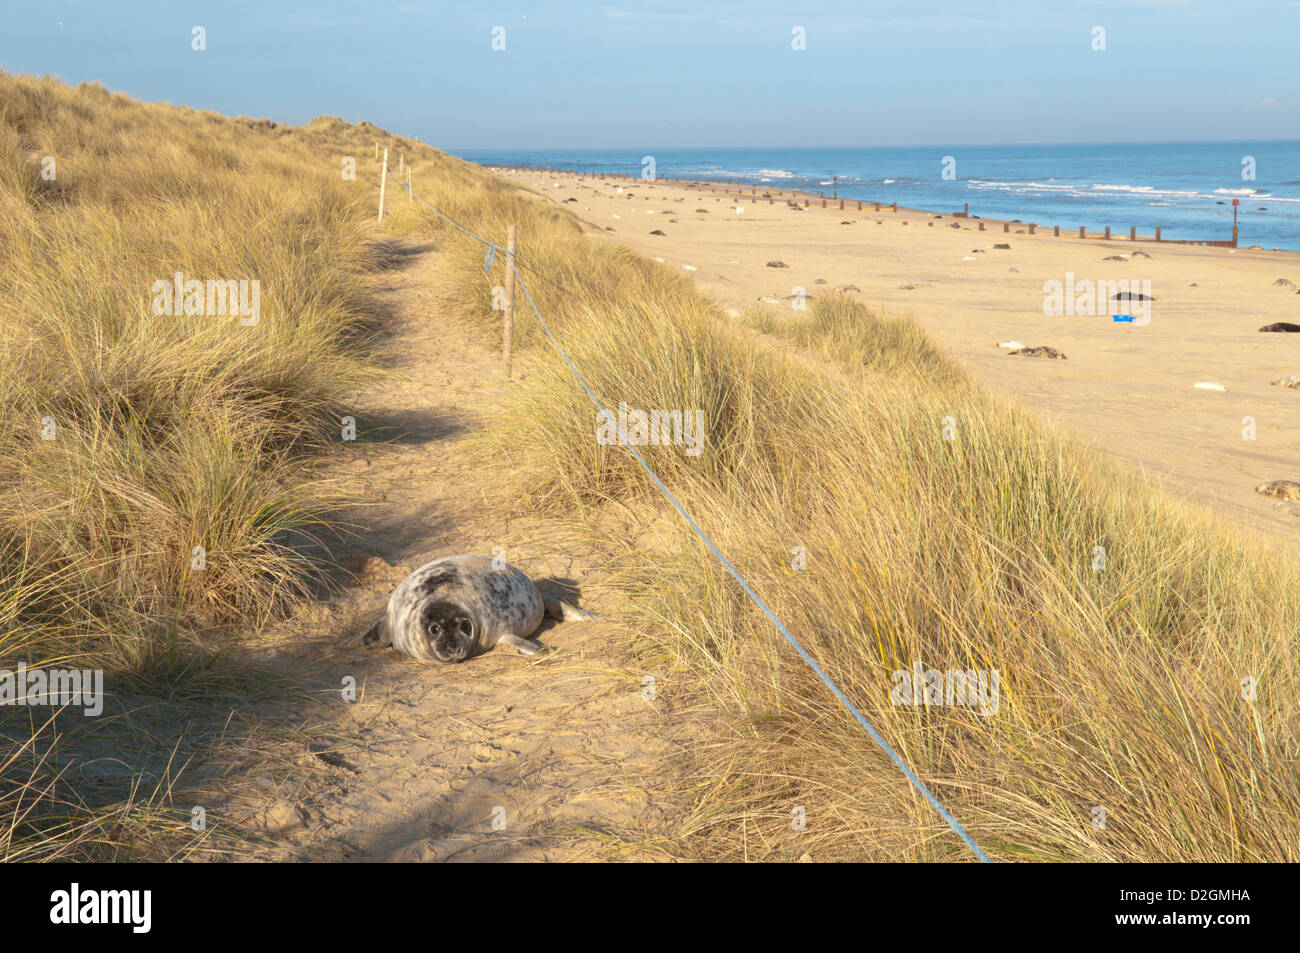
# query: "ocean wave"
[[762, 174], [1275, 198], [716, 172], [991, 184], [1148, 190], [1141, 190], [1236, 191]]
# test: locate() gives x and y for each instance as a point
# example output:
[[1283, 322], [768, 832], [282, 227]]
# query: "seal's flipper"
[[563, 611], [378, 635], [522, 646]]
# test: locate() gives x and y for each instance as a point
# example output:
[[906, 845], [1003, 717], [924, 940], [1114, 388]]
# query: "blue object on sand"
[[1123, 317]]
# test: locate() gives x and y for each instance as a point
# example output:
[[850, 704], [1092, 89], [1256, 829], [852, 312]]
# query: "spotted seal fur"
[[455, 608], [1285, 490]]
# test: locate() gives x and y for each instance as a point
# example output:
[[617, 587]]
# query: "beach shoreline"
[[819, 201], [1127, 389]]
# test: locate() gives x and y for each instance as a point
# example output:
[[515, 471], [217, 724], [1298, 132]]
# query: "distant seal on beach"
[[1041, 351], [1281, 326], [1286, 490], [455, 608], [1292, 381]]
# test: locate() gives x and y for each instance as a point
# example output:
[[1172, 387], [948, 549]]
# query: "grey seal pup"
[[457, 607], [1286, 490]]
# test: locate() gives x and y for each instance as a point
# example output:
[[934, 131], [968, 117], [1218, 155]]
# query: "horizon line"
[[922, 145]]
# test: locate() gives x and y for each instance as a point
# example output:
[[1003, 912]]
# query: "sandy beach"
[[1125, 387]]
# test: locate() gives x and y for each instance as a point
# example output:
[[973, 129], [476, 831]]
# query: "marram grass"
[[1146, 651], [130, 437], [1157, 684]]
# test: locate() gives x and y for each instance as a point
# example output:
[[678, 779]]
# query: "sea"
[[1186, 188]]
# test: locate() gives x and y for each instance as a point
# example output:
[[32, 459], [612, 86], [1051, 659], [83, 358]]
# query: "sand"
[[1127, 389]]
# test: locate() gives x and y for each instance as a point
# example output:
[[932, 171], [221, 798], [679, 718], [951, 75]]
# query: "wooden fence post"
[[1107, 232], [1157, 233], [1132, 233], [1032, 226], [981, 225], [1081, 232], [1005, 228], [508, 331], [409, 191], [1056, 231], [383, 181]]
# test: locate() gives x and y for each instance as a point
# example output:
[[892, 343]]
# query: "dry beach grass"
[[1121, 687], [169, 432]]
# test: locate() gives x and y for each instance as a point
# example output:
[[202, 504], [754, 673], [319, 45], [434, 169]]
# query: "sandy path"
[[557, 751], [1126, 388]]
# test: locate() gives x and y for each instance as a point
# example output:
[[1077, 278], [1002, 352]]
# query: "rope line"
[[757, 600]]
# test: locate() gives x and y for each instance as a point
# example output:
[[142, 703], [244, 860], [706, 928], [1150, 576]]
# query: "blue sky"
[[680, 74]]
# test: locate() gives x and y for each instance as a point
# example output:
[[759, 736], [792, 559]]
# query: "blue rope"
[[875, 736]]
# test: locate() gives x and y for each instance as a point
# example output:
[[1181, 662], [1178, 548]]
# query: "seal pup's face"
[[448, 630]]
